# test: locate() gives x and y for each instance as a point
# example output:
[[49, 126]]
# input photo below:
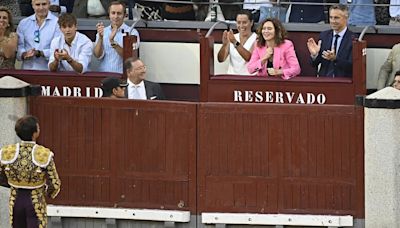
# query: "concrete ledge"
[[119, 213], [277, 219]]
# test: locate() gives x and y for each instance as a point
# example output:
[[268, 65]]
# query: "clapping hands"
[[228, 37], [100, 29], [313, 47], [62, 54]]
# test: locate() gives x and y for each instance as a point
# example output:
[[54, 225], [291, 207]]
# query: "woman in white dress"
[[238, 47]]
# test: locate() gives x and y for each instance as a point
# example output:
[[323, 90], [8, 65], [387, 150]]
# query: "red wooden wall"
[[206, 157], [121, 153], [280, 159]]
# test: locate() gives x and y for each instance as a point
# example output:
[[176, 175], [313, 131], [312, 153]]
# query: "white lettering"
[[248, 96], [321, 99], [259, 96], [279, 97], [255, 96], [87, 91], [66, 91], [237, 96], [269, 97], [56, 92], [290, 96], [77, 92], [46, 91], [310, 98], [300, 99], [98, 92]]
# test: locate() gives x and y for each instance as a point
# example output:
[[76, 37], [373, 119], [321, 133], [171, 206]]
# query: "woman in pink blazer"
[[273, 55]]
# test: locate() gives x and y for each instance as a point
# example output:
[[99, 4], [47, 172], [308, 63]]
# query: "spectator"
[[238, 46], [388, 69], [273, 54], [394, 11], [254, 7], [72, 51], [382, 12], [35, 34], [230, 10], [28, 169], [56, 8], [25, 7], [278, 10], [13, 6], [362, 12], [175, 11], [90, 8], [396, 81], [138, 87], [109, 40], [113, 87], [307, 13], [334, 48], [8, 39]]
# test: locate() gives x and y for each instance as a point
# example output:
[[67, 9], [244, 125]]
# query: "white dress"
[[237, 65]]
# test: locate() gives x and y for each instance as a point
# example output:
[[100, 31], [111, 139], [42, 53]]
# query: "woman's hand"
[[268, 55], [274, 72]]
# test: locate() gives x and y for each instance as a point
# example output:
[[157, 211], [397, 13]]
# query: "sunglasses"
[[37, 36]]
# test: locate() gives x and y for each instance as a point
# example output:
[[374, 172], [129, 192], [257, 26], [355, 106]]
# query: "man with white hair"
[[35, 34]]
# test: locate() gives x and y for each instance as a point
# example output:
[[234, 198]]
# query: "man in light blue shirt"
[[362, 12], [109, 40], [35, 34]]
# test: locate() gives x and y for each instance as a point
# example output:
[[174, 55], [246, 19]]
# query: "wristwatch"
[[113, 43], [237, 44], [38, 53]]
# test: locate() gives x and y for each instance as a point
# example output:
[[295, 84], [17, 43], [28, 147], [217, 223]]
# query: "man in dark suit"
[[138, 87], [334, 48]]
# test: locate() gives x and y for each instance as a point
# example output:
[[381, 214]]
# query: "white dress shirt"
[[81, 51], [137, 92]]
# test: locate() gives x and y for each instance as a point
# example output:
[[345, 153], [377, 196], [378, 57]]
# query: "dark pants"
[[24, 215]]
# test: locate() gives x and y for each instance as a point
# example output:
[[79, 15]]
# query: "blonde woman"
[[8, 40]]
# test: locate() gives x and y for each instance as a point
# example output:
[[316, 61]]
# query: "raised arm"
[[224, 51]]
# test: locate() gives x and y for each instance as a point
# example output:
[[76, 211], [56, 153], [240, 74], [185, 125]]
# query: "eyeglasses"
[[141, 68], [37, 36]]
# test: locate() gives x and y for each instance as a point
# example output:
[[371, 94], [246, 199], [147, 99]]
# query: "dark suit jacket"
[[153, 91], [343, 64], [80, 7], [307, 13]]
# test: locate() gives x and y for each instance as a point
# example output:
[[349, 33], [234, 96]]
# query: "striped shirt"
[[110, 61]]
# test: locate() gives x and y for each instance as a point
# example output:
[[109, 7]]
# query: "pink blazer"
[[284, 58]]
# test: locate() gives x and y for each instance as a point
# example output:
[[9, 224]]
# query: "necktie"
[[335, 47]]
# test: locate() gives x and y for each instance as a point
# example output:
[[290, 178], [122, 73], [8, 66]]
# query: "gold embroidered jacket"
[[28, 165]]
